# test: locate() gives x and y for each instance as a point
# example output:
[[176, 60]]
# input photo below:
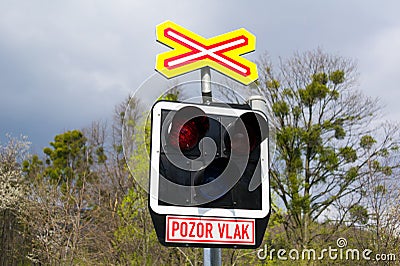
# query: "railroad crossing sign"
[[192, 52], [209, 184]]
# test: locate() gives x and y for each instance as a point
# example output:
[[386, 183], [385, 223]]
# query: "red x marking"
[[199, 51]]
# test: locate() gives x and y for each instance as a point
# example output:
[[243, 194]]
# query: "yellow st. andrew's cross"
[[192, 52]]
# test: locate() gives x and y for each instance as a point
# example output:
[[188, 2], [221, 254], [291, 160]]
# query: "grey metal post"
[[211, 256], [206, 84]]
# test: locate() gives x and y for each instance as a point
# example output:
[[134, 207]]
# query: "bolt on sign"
[[192, 51]]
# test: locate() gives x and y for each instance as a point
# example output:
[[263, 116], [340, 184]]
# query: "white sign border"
[[199, 211]]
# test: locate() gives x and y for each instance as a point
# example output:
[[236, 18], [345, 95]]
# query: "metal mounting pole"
[[206, 84], [211, 256]]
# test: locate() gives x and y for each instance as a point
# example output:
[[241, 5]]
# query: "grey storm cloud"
[[64, 64]]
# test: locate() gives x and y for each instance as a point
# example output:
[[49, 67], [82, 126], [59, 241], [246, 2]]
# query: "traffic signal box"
[[209, 184]]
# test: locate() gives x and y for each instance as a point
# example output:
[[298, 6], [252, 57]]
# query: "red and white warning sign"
[[192, 51], [184, 229]]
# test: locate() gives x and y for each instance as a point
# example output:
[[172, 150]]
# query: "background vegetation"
[[334, 174]]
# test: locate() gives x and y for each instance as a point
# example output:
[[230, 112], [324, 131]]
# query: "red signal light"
[[187, 138], [189, 126]]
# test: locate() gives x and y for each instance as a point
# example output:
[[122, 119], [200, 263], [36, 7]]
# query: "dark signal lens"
[[214, 170], [244, 135]]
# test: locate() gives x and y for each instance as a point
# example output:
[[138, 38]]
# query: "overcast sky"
[[64, 64]]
